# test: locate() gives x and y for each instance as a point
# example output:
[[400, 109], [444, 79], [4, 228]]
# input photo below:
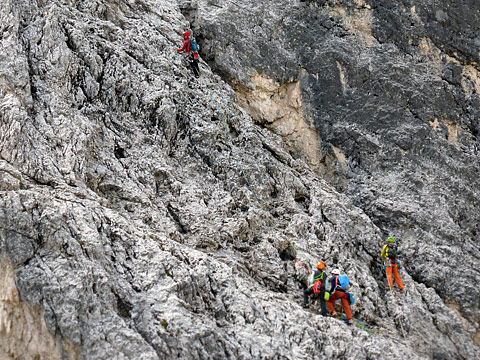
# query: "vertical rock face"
[[146, 215], [393, 92]]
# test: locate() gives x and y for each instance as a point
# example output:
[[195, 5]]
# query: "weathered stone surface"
[[127, 220], [394, 94], [23, 331]]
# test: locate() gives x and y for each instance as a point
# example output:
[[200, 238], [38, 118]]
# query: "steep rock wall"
[[393, 94], [280, 108]]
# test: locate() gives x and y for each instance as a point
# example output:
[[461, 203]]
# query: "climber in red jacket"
[[191, 56], [186, 44]]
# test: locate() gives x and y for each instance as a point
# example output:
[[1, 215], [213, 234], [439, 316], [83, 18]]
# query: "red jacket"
[[185, 47]]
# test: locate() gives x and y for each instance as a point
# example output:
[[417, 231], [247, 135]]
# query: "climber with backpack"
[[190, 47], [338, 290], [391, 263], [317, 287]]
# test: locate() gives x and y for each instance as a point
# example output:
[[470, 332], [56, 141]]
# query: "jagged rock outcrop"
[[127, 222], [394, 93]]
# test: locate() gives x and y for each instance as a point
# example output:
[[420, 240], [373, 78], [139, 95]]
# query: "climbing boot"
[[350, 321], [334, 314]]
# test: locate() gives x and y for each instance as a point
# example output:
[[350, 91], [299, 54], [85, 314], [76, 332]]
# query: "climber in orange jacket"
[[337, 293], [317, 287], [389, 256]]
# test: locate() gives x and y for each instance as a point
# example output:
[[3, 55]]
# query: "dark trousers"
[[194, 65], [320, 296]]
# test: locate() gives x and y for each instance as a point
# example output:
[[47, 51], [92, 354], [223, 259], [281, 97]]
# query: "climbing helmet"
[[320, 265], [335, 272], [391, 240], [186, 34]]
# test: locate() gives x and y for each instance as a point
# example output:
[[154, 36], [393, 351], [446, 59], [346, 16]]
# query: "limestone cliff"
[[393, 92], [134, 225]]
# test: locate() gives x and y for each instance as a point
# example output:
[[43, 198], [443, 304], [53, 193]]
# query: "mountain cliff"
[[145, 214]]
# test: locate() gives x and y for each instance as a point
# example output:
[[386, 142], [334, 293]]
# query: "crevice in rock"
[[119, 152], [287, 254], [124, 308], [173, 213]]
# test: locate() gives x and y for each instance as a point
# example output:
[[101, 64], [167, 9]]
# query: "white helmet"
[[335, 272]]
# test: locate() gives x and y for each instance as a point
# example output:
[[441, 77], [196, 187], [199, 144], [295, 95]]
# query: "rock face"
[[23, 328], [394, 94], [148, 215]]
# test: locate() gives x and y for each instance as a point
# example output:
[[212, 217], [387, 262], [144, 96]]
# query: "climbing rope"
[[303, 267], [242, 171], [400, 321]]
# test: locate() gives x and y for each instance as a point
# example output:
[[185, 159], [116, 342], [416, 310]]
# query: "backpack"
[[194, 45], [343, 282], [350, 299], [391, 251], [317, 286]]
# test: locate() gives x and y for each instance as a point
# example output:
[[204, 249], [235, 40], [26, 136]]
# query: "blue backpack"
[[193, 45], [350, 299], [343, 282]]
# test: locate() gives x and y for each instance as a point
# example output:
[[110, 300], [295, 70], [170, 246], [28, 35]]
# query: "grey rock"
[[392, 94]]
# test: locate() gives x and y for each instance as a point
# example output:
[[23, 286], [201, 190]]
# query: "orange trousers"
[[394, 269], [343, 296]]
